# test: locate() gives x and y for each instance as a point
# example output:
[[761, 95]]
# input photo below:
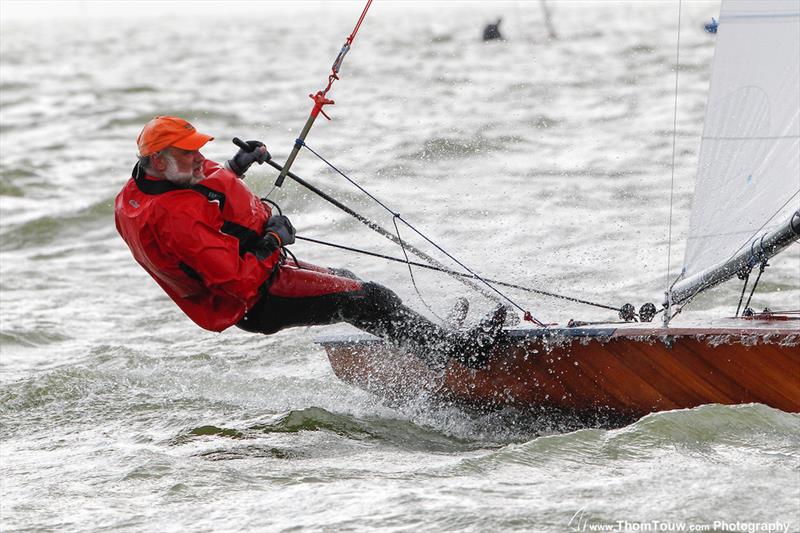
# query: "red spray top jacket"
[[197, 242]]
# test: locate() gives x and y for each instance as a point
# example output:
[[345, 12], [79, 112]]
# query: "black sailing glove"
[[278, 232], [280, 226], [257, 153]]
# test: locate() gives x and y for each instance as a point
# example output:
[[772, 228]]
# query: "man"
[[492, 31], [216, 250]]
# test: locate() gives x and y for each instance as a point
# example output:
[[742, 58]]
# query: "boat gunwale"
[[599, 332]]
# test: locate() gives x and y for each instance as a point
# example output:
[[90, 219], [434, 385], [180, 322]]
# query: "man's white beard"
[[183, 179]]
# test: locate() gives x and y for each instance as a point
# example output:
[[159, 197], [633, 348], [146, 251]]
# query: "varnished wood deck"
[[631, 371]]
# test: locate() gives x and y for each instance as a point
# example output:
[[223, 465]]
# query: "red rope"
[[358, 24], [320, 99]]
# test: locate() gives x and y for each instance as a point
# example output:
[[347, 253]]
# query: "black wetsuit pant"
[[307, 295]]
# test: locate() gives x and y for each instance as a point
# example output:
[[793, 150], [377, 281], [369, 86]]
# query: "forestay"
[[748, 178]]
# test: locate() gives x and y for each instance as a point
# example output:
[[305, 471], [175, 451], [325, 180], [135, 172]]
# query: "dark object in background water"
[[548, 22], [711, 27], [492, 31]]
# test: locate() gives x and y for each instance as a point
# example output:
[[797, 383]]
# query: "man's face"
[[184, 167]]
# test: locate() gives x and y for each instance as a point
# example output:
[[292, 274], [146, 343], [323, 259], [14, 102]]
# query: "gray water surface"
[[542, 163]]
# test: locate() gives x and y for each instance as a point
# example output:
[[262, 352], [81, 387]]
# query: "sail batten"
[[748, 175]]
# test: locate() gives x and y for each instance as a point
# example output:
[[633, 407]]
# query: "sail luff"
[[748, 175]]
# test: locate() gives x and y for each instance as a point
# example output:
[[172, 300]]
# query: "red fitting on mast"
[[320, 99], [319, 102]]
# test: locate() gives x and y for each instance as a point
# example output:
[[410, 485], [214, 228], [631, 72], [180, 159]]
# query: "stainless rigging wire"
[[672, 180]]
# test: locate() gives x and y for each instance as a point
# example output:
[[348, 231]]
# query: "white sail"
[[748, 178]]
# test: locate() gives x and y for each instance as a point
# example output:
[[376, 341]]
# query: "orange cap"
[[163, 131]]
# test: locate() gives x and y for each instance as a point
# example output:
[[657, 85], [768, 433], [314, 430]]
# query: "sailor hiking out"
[[217, 250]]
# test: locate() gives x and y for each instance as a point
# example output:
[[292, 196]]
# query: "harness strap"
[[210, 194], [247, 237], [154, 187]]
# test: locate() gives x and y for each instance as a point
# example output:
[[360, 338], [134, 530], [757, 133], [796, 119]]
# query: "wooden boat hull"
[[630, 372]]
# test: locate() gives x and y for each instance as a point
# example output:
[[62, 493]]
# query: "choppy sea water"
[[546, 163]]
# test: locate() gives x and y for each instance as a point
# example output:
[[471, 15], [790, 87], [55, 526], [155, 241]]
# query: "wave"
[[702, 431], [116, 382], [12, 173], [15, 85], [61, 385], [398, 433], [437, 148], [48, 229], [9, 189], [191, 114], [131, 89], [30, 338]]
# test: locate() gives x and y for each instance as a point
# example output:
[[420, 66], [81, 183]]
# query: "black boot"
[[379, 311], [474, 347], [458, 314]]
